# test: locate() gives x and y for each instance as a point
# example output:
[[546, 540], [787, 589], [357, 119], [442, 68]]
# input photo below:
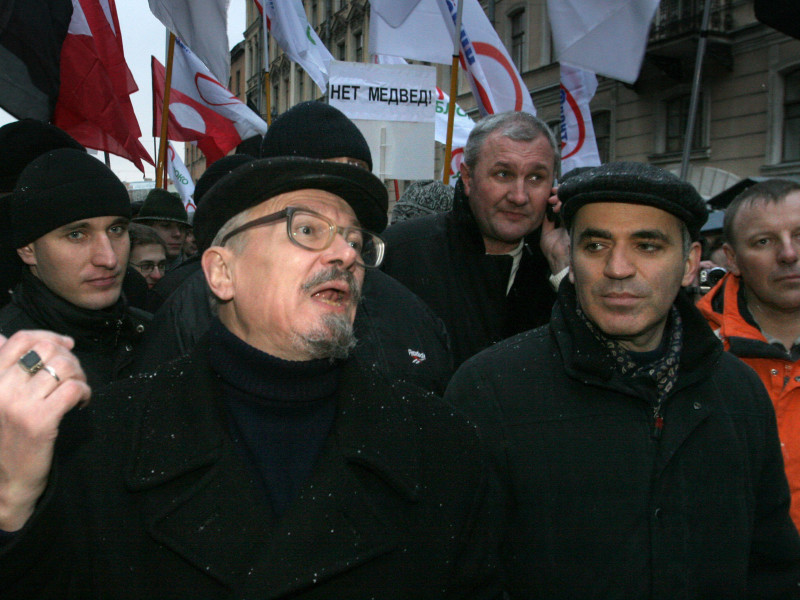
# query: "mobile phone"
[[552, 216]]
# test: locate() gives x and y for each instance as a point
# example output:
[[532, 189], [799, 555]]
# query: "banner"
[[462, 125], [292, 32], [94, 104], [384, 92], [203, 27], [180, 177], [31, 34], [607, 37], [201, 109], [578, 142]]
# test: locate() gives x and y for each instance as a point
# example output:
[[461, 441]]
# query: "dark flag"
[[31, 34]]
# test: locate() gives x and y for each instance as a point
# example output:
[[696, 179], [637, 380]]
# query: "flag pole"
[[161, 166], [698, 69], [451, 110]]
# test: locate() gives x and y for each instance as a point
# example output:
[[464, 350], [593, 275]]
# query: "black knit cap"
[[634, 183], [260, 180], [218, 169], [161, 205], [60, 187], [22, 141], [316, 130]]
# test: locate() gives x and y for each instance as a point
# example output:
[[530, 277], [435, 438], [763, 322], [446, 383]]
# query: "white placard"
[[383, 92]]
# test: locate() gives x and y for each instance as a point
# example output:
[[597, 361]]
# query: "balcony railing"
[[677, 18]]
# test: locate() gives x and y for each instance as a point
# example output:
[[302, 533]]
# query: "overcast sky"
[[143, 35]]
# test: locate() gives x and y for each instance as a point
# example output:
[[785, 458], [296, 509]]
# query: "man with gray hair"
[[483, 266], [265, 463]]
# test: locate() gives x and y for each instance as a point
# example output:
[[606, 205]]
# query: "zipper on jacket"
[[658, 422]]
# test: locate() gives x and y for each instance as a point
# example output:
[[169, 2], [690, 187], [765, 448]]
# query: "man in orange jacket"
[[755, 308]]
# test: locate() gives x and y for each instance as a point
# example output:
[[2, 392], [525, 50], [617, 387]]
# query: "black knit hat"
[[316, 130], [161, 205], [634, 183], [422, 198], [60, 187], [218, 169], [260, 180], [22, 141]]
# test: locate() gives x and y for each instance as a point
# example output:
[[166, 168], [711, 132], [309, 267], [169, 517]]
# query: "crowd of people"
[[514, 390]]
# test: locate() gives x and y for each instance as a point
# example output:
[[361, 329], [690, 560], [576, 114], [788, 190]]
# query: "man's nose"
[[618, 264], [103, 253]]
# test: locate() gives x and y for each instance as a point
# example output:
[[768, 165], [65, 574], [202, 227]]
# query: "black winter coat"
[[105, 340], [152, 499], [442, 259], [398, 334], [600, 508]]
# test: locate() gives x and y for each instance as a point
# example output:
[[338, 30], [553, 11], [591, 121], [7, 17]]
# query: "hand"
[[554, 241], [31, 408]]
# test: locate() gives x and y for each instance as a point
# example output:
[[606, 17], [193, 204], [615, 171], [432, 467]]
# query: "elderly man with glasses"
[[266, 463]]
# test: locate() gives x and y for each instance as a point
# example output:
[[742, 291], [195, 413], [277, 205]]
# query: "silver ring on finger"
[[30, 362], [52, 372]]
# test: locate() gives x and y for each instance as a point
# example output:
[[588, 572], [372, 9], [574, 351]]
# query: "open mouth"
[[332, 296]]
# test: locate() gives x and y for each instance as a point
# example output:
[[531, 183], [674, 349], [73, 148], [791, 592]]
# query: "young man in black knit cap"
[[641, 460], [68, 220], [265, 464]]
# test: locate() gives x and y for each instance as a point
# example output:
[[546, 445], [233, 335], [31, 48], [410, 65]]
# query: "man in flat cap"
[[68, 229], [640, 460], [265, 464]]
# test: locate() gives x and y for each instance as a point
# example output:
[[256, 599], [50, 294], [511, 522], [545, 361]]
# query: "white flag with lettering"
[[180, 177], [578, 142], [292, 32]]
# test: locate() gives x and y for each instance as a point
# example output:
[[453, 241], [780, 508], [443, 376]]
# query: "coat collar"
[[584, 355], [201, 500]]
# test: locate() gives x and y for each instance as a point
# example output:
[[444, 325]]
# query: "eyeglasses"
[[148, 266], [315, 232]]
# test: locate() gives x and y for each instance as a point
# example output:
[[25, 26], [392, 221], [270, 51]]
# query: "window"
[[601, 121], [677, 115], [275, 98], [314, 15], [238, 91], [340, 51], [286, 97], [517, 23], [359, 46], [791, 117]]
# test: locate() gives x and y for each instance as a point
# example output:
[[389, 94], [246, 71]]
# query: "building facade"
[[748, 118]]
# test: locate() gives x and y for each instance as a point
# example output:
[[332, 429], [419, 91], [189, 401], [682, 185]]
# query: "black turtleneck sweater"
[[281, 412], [105, 339]]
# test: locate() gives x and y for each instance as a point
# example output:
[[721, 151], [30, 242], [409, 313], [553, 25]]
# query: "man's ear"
[[27, 254], [465, 177], [217, 262], [692, 265], [730, 254]]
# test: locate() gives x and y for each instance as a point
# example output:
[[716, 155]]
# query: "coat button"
[[657, 514], [140, 328], [774, 371], [128, 348], [697, 406]]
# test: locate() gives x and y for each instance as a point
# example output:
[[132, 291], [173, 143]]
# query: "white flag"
[[495, 81], [413, 29], [181, 178], [292, 32], [203, 26], [607, 37], [578, 142]]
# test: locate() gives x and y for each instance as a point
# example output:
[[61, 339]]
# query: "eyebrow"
[[85, 224], [642, 234]]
